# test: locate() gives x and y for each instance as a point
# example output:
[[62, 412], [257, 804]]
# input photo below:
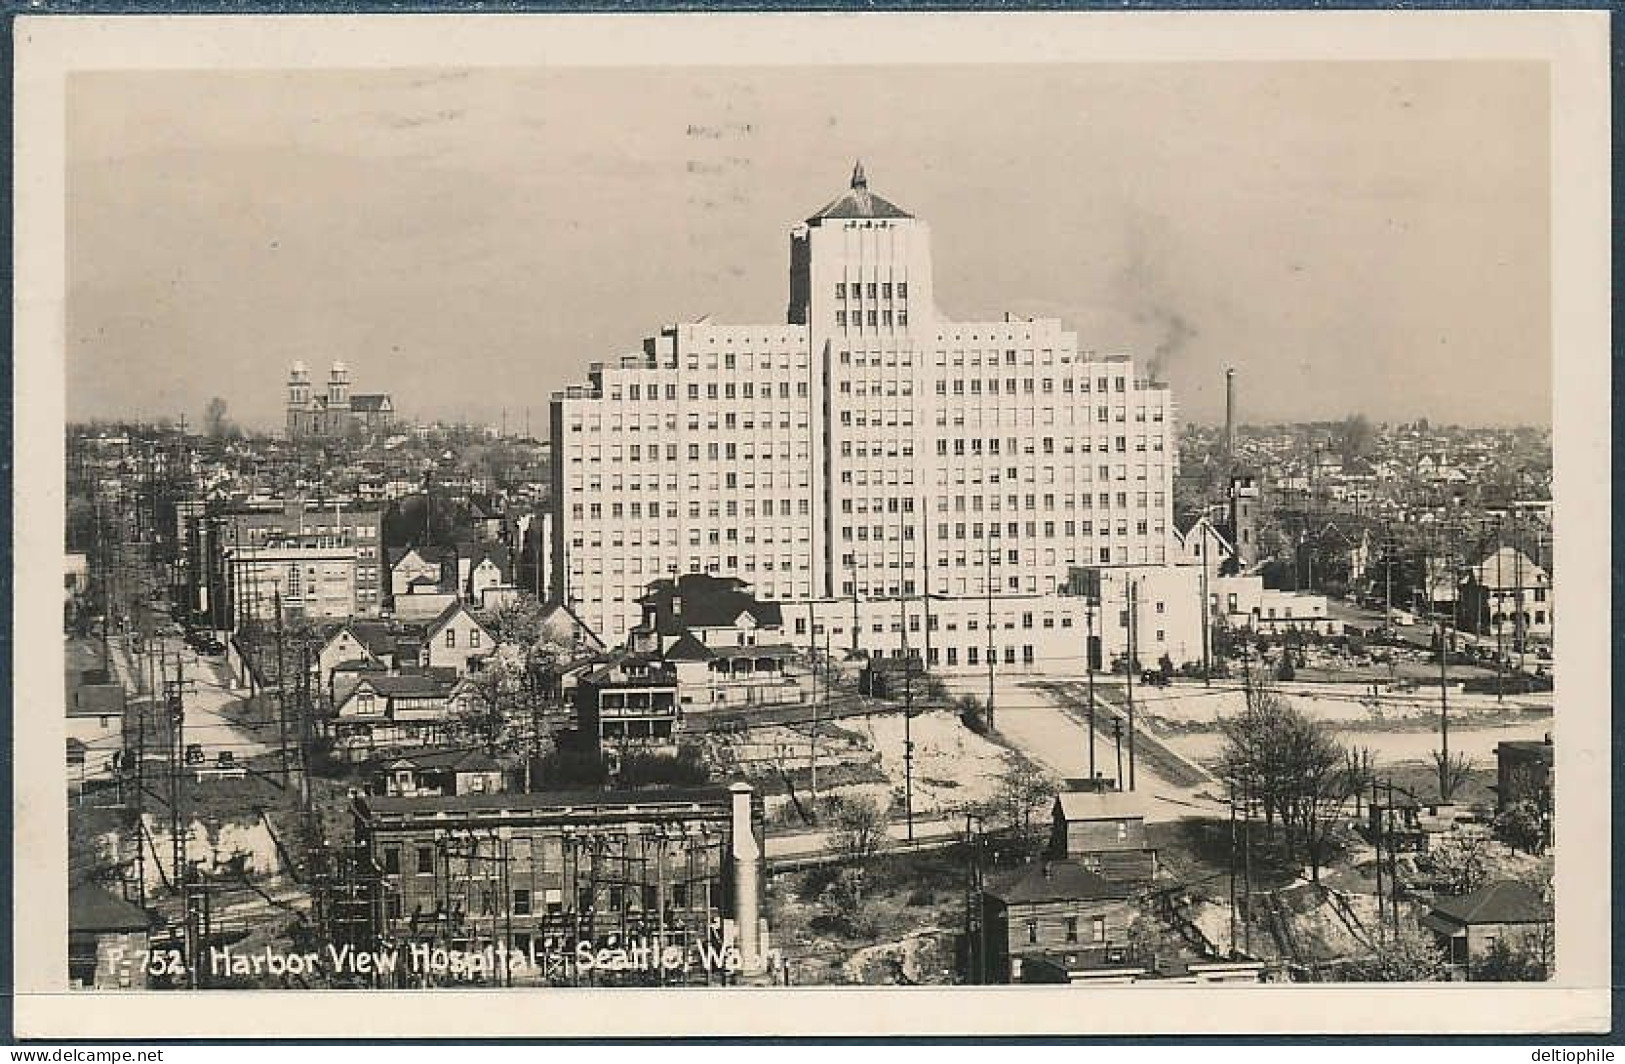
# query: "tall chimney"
[[747, 858], [1229, 412]]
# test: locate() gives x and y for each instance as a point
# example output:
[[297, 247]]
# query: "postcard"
[[841, 524]]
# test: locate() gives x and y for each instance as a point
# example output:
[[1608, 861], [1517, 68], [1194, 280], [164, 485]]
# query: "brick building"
[[552, 873]]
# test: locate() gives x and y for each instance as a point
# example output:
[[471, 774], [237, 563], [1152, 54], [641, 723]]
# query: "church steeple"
[[858, 180]]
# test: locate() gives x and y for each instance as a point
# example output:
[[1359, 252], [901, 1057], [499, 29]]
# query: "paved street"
[[1033, 721], [205, 725]]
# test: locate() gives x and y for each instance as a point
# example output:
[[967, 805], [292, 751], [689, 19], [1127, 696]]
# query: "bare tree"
[[859, 831], [1292, 766], [1023, 788], [1453, 772]]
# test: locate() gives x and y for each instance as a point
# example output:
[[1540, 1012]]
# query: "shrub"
[[652, 770], [567, 767]]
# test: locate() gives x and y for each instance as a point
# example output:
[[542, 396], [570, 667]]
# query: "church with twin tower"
[[862, 454], [334, 413]]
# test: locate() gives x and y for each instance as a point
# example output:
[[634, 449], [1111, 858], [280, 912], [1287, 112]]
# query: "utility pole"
[[1117, 739], [1234, 840], [1380, 818], [855, 621], [925, 581], [1207, 640], [908, 693], [304, 726], [281, 686], [175, 705], [1130, 591], [1500, 618], [992, 651], [1444, 714], [975, 922], [812, 735], [1247, 870], [1520, 629], [1089, 663]]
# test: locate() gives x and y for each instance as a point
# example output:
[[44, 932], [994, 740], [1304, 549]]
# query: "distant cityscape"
[[862, 648]]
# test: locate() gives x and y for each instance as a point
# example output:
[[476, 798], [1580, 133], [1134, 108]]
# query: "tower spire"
[[858, 180]]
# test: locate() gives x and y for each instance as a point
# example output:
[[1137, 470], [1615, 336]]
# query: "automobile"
[[210, 646], [225, 759], [194, 753]]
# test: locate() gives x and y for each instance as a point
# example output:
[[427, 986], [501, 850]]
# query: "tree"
[[1512, 962], [497, 693], [1022, 789], [1410, 955], [1461, 862], [1355, 437], [1360, 771], [1453, 771], [216, 425], [1523, 826], [1292, 766], [522, 622], [859, 831]]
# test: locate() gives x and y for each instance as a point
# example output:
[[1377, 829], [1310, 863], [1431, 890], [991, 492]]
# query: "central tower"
[[861, 264]]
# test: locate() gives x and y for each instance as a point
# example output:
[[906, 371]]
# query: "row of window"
[[1033, 529], [874, 319], [714, 508], [1033, 502], [975, 446], [958, 474], [874, 290], [614, 424]]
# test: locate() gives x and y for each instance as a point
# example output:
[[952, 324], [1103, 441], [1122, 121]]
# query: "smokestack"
[[747, 858], [1229, 411]]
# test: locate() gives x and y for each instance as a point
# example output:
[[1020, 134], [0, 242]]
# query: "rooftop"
[[551, 801], [1503, 902], [92, 908], [1044, 881], [1100, 805], [858, 202]]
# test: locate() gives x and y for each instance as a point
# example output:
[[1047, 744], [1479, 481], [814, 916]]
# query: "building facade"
[[867, 447], [251, 552], [544, 875]]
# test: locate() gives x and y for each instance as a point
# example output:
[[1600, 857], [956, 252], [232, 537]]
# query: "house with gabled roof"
[[1199, 540], [456, 639], [490, 576], [1505, 912], [419, 570], [357, 644], [716, 610], [393, 712]]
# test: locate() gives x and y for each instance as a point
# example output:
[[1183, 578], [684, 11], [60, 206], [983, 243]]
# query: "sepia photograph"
[[1037, 526]]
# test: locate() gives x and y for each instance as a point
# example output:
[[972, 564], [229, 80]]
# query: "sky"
[[1352, 237]]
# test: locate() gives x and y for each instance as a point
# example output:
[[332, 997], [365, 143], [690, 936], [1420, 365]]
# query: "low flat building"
[[1470, 926], [107, 940], [436, 774]]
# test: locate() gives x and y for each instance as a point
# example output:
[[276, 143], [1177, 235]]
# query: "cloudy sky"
[[1352, 237]]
